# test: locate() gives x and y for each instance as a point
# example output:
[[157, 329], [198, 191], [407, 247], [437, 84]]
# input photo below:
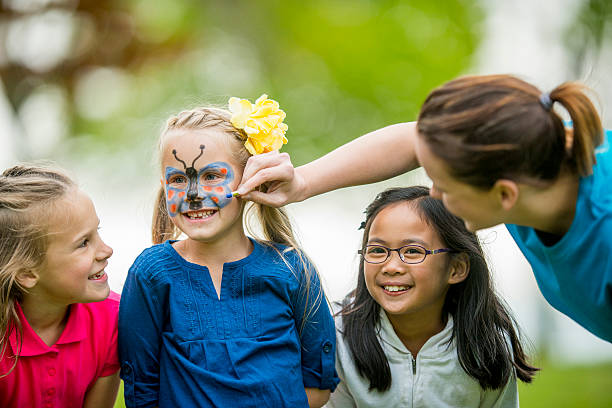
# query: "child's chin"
[[100, 294]]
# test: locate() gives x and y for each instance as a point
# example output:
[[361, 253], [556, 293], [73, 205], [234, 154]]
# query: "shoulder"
[[603, 157], [153, 261], [282, 260]]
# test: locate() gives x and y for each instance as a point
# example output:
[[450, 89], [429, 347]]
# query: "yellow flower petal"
[[262, 122]]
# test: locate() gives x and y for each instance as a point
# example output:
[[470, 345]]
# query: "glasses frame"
[[390, 250]]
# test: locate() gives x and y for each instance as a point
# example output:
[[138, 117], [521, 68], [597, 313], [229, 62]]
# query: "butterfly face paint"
[[190, 189]]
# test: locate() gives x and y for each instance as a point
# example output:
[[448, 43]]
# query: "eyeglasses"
[[410, 254]]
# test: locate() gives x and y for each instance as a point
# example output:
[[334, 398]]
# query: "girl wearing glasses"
[[497, 152], [424, 326]]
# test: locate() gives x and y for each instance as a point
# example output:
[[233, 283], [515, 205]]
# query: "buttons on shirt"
[[51, 392], [327, 346], [48, 405], [51, 371]]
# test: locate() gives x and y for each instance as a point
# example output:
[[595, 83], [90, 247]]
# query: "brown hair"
[[274, 222], [26, 192], [495, 126]]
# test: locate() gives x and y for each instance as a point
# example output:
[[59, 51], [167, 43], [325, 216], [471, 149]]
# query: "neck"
[[549, 209], [46, 319], [416, 328], [215, 253]]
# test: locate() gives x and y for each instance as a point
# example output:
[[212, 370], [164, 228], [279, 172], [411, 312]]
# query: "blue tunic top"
[[182, 346], [575, 274]]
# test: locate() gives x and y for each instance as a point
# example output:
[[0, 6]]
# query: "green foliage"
[[338, 68], [588, 32]]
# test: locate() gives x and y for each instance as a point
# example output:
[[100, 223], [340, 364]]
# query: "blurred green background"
[[91, 81]]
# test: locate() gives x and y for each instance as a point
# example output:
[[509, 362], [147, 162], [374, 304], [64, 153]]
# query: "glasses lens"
[[413, 253], [375, 254]]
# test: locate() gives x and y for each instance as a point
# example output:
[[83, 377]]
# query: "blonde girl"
[[219, 319], [58, 323]]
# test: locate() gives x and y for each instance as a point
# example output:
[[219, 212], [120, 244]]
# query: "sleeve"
[[504, 397], [111, 363], [341, 397], [316, 327], [140, 326]]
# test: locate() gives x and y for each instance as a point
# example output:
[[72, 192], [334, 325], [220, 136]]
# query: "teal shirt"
[[575, 274]]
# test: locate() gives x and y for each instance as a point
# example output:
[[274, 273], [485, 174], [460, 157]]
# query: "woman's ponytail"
[[587, 128]]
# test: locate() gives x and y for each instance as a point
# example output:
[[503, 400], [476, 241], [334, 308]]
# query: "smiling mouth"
[[97, 276], [199, 215], [396, 289]]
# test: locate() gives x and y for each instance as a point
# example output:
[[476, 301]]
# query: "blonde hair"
[[26, 191], [274, 222]]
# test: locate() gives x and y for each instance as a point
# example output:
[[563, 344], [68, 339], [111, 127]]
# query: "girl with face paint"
[[218, 318]]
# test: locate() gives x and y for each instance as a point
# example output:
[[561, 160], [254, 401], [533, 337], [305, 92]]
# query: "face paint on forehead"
[[191, 171]]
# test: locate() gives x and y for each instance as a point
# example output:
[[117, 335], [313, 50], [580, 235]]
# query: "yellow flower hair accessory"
[[262, 122]]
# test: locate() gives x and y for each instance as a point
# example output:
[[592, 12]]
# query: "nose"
[[104, 251], [394, 265], [192, 192], [435, 193]]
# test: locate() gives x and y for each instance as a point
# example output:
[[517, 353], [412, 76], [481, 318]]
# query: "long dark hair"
[[483, 327], [490, 127]]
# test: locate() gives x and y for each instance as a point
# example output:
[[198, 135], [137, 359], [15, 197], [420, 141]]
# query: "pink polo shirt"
[[60, 375]]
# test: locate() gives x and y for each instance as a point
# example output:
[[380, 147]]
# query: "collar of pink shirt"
[[33, 345]]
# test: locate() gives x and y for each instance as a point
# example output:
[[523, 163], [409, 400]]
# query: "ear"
[[507, 193], [27, 278], [459, 268]]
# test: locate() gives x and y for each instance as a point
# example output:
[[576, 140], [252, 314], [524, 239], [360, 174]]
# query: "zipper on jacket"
[[413, 365]]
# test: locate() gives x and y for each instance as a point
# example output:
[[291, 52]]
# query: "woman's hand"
[[274, 171], [376, 156]]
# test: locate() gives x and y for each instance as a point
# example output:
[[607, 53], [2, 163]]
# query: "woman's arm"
[[376, 156], [316, 397], [103, 393]]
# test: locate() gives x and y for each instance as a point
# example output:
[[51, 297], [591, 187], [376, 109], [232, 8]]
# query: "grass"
[[569, 387], [555, 386]]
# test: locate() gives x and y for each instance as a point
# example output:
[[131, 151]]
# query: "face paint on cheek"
[[175, 196], [215, 193], [174, 201]]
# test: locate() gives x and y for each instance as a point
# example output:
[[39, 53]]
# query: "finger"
[[281, 173], [260, 161], [271, 200], [263, 176]]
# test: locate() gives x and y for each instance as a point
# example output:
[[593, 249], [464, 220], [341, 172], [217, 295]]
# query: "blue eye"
[[178, 179], [212, 177]]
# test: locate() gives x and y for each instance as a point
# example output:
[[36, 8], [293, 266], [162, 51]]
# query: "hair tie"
[[546, 102], [262, 122], [362, 225]]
